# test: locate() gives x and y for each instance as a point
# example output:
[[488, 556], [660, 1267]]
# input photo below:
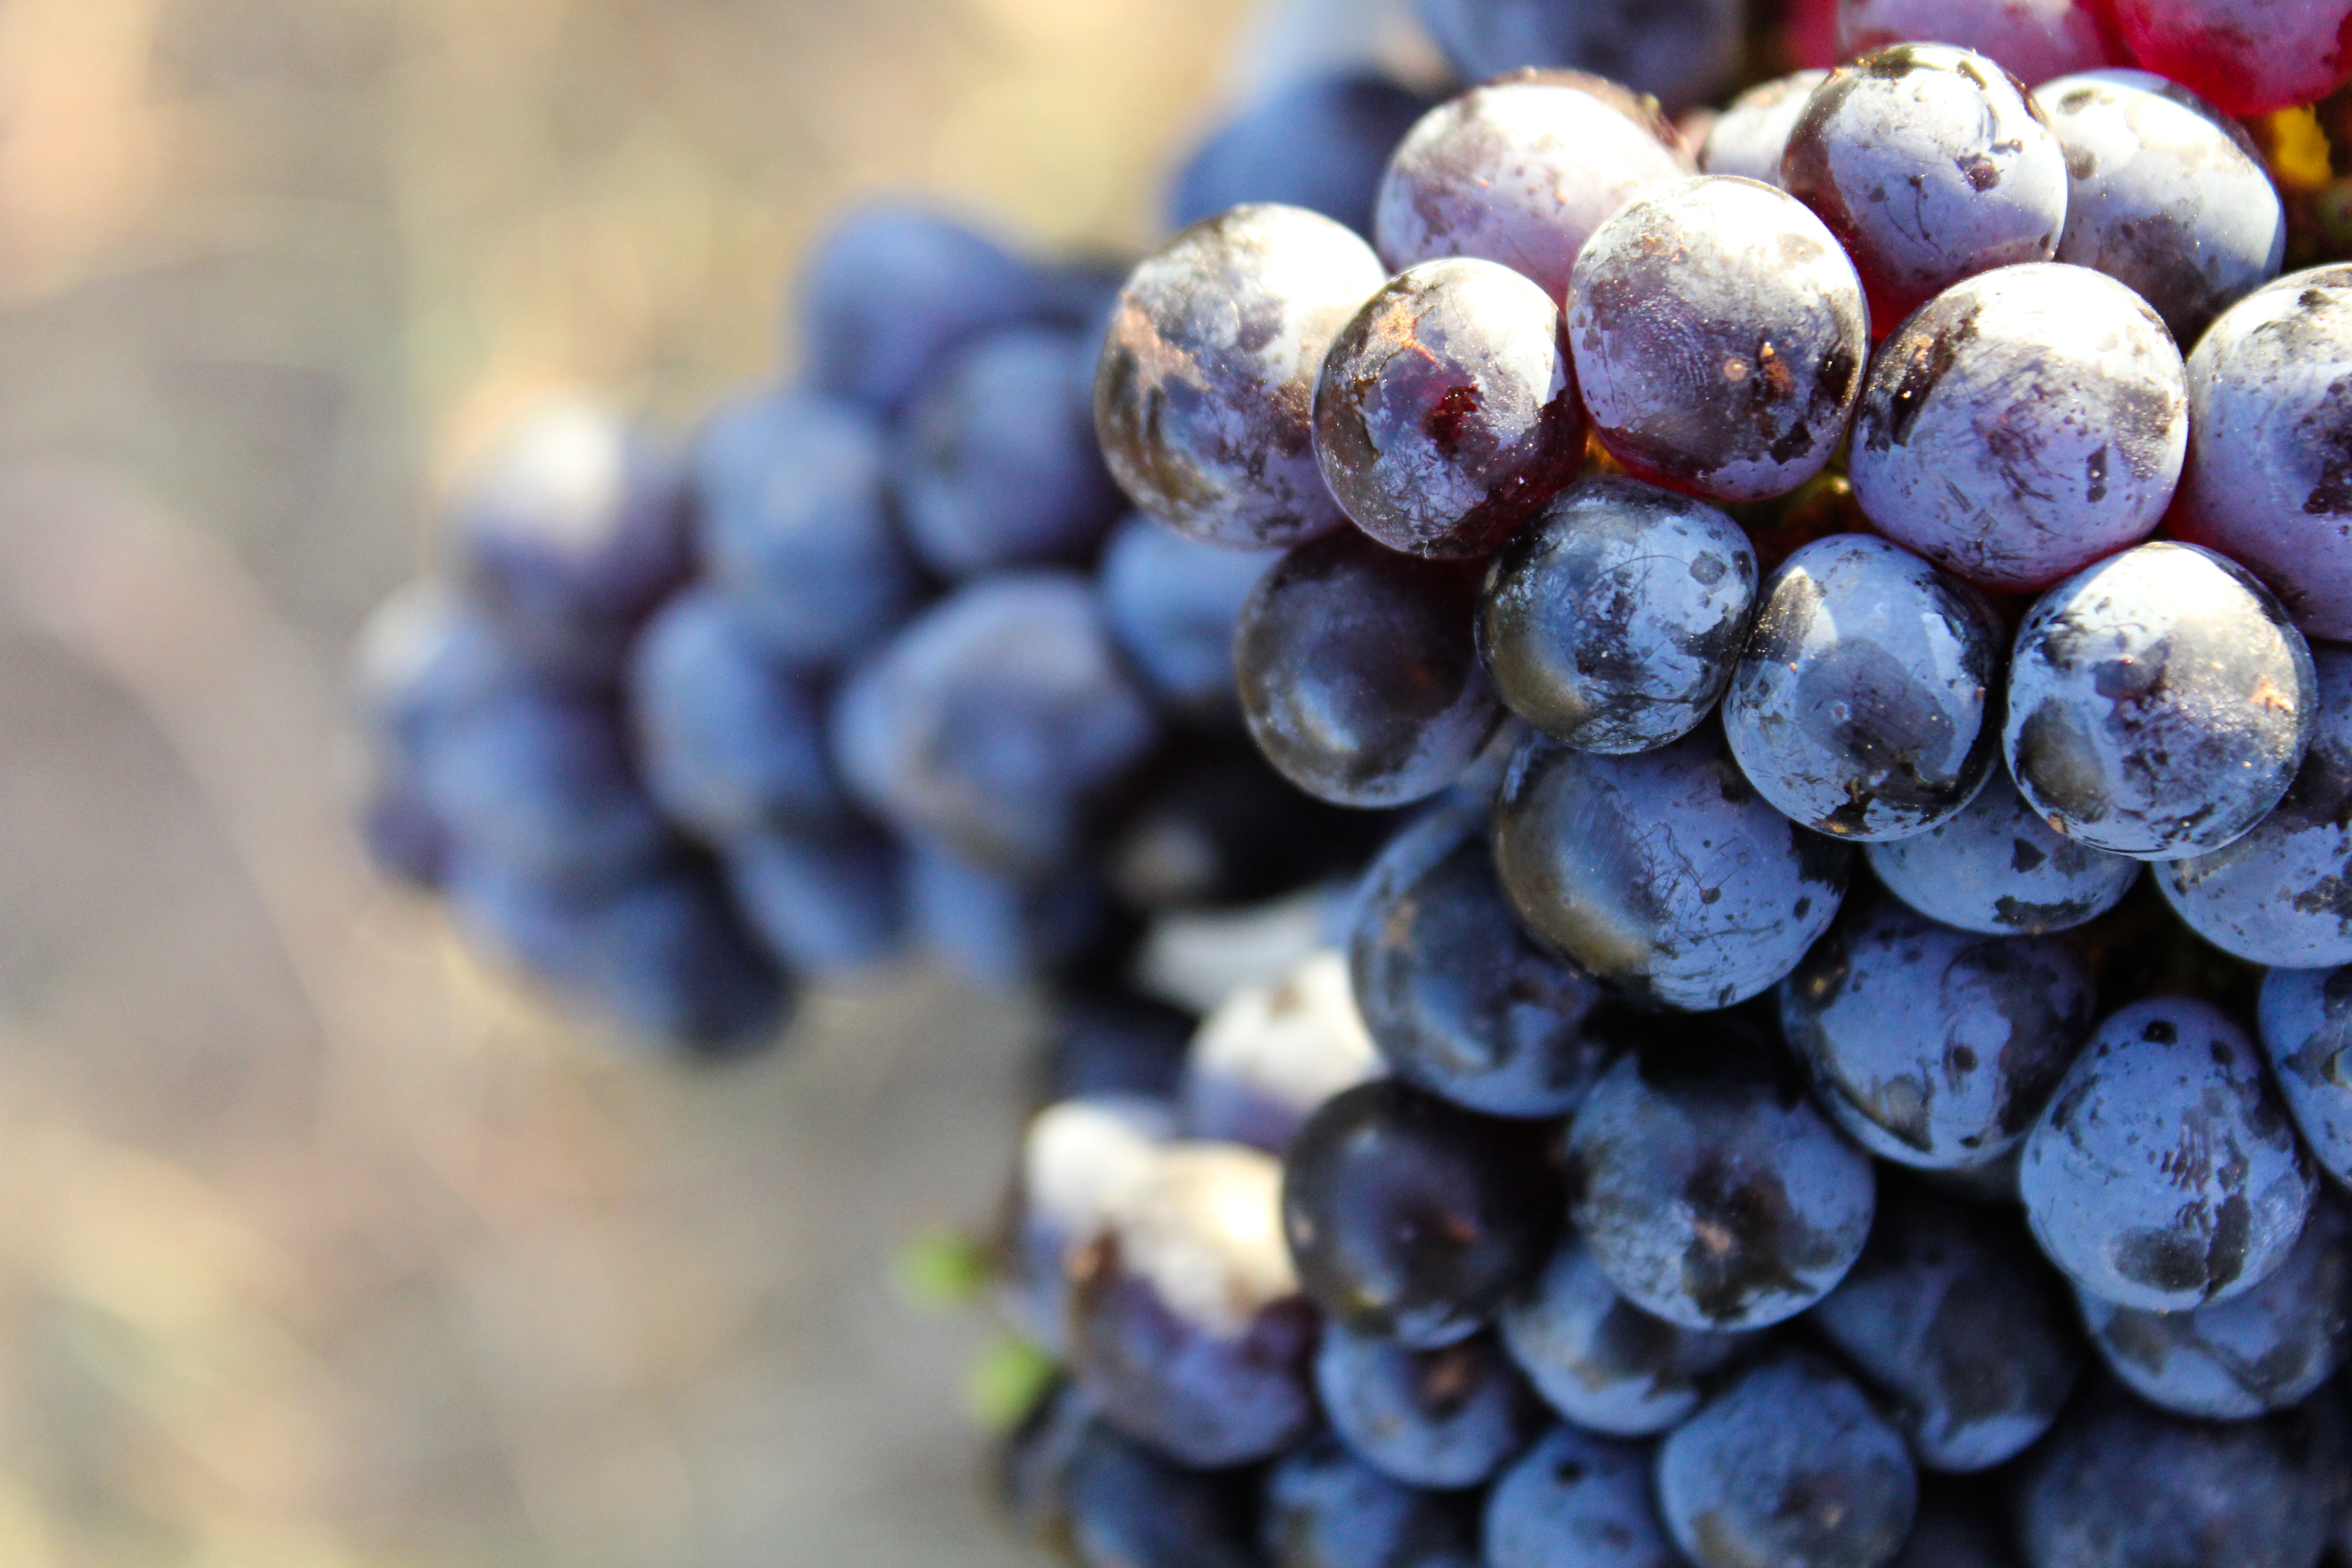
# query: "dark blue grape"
[[2167, 195], [1111, 1041], [1359, 671], [996, 462], [891, 290], [1752, 136], [1664, 873], [827, 902], [1456, 998], [1613, 621], [1445, 1419], [1000, 931], [1678, 49], [1707, 1187], [1203, 400], [1960, 1325], [1186, 1321], [2022, 425], [1173, 603], [1602, 1363], [2266, 1350], [2306, 1023], [1130, 1508], [2268, 482], [1081, 1159], [1445, 415], [2159, 703], [1321, 144], [2282, 893], [570, 531], [1998, 868], [1578, 1501], [1326, 1509], [2165, 1173], [1788, 1466], [2119, 1485], [1934, 1048], [732, 743], [797, 526], [1862, 706], [1719, 337], [1270, 1055], [995, 721], [1410, 1217], [1518, 173], [1930, 163], [425, 658]]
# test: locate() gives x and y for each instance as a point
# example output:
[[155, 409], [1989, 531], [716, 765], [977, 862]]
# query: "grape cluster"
[[1798, 567], [873, 661]]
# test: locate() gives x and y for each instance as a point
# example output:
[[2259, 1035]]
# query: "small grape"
[[2022, 425], [1998, 868], [543, 780], [1577, 1501], [2030, 39], [1203, 397], [1445, 415], [2165, 1173], [998, 931], [1678, 49], [1130, 1508], [1173, 603], [2306, 1027], [1327, 1509], [826, 903], [1931, 165], [2248, 57], [1752, 136], [1518, 173], [1613, 622], [1081, 1160], [1270, 1054], [2159, 703], [1444, 1418], [1322, 144]]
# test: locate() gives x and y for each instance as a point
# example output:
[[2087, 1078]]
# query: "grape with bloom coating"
[[1444, 1418], [2269, 481], [1753, 135], [1321, 143], [1999, 868], [1173, 601], [1678, 49], [1445, 414], [1202, 399], [1931, 165], [1613, 621], [826, 901], [2022, 425], [2030, 39], [2159, 703], [1327, 1509], [2165, 1173], [1518, 173], [1577, 1501], [1128, 1507], [1664, 873], [1359, 674], [1719, 334], [2167, 196], [2248, 57], [1269, 1054], [1861, 706], [2306, 1026]]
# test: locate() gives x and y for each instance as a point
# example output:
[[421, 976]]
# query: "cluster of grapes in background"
[[1847, 1058]]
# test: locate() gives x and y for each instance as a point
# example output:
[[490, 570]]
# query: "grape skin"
[[2030, 39], [1753, 135], [1577, 1501], [2308, 1041], [1997, 868]]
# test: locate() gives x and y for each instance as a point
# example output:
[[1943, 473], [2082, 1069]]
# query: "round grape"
[[2248, 57], [2306, 1027], [1753, 135], [826, 902], [1322, 144], [1270, 1054], [1130, 1508], [2030, 39], [1327, 1509], [1678, 49], [1173, 603], [1998, 868], [1577, 1501], [1444, 1418]]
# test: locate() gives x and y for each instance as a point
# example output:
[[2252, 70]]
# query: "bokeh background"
[[321, 1246]]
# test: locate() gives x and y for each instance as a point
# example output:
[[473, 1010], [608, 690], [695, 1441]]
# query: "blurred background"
[[321, 1244]]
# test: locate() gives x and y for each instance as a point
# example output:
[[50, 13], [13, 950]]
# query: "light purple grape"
[[2269, 481], [2022, 425], [1719, 335], [1931, 165], [1753, 135], [2168, 196], [2031, 40], [1519, 173], [1203, 396]]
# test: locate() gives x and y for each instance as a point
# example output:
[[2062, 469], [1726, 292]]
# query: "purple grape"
[[1931, 165], [1602, 1363], [1109, 1041], [2168, 195], [1270, 1055], [1445, 415], [1707, 1187], [2264, 1350], [1719, 336], [1612, 622], [2022, 425], [2165, 1173], [1861, 706], [2306, 1027], [1959, 1324], [1203, 399], [1444, 1418], [1002, 931], [2032, 40], [1080, 1159], [2280, 895], [1359, 675], [1934, 1048], [1518, 173], [1788, 1466], [1130, 1508], [1998, 868], [1187, 1326], [1577, 1501], [2269, 481], [1321, 144], [2159, 703], [1326, 1509], [1666, 873], [1678, 49], [1173, 603], [1752, 136], [826, 903]]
